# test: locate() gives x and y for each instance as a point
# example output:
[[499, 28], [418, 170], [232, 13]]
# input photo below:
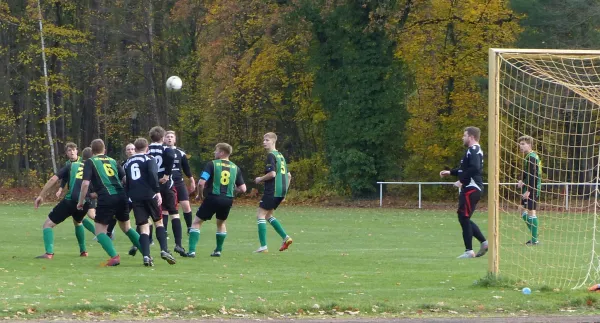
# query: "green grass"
[[372, 261]]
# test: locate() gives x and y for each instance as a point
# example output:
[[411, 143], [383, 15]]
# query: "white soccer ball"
[[174, 83]]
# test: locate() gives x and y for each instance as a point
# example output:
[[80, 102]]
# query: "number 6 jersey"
[[105, 175], [142, 178]]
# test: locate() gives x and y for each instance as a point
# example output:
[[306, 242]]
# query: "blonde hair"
[[224, 147], [271, 135], [527, 139], [170, 132]]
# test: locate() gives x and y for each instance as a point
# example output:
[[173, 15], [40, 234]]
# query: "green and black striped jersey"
[[222, 177], [532, 173], [277, 186], [72, 173], [104, 174]]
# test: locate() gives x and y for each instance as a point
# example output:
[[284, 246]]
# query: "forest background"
[[358, 91]]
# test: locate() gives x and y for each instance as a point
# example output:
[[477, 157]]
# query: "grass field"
[[344, 261]]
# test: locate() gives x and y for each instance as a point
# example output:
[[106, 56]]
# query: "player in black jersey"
[[144, 192], [470, 183], [218, 183], [164, 158], [181, 165]]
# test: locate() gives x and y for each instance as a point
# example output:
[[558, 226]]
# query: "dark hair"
[[86, 153], [140, 144], [157, 133], [70, 145], [97, 146], [473, 131]]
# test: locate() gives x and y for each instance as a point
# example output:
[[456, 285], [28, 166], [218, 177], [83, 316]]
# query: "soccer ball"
[[174, 83]]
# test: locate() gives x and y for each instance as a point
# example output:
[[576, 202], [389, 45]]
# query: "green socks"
[[80, 234], [262, 232], [277, 226], [532, 225], [49, 240], [89, 225], [107, 244], [534, 229], [134, 237], [220, 239], [193, 240]]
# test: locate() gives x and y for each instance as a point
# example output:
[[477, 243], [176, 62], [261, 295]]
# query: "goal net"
[[554, 97]]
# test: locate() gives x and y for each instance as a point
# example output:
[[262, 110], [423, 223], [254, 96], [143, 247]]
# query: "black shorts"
[[181, 191], [467, 201], [144, 210], [112, 207], [93, 203], [531, 202], [65, 209], [214, 205], [169, 203], [269, 202]]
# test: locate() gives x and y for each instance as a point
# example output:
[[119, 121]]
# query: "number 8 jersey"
[[221, 176]]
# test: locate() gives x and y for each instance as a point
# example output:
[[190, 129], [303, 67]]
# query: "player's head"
[[223, 150], [157, 134], [141, 145], [71, 151], [129, 150], [471, 136], [170, 138], [525, 144], [97, 147], [86, 153], [269, 141]]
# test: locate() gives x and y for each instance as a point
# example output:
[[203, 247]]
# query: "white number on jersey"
[[135, 171], [159, 162]]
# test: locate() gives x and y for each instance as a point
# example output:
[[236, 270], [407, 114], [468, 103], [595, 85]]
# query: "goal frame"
[[494, 140]]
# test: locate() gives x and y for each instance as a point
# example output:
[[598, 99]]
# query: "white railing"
[[566, 185]]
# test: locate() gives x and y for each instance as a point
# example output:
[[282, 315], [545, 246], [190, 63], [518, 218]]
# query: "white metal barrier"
[[566, 185]]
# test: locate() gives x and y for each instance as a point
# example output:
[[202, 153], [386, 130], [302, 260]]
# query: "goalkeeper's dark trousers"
[[467, 202]]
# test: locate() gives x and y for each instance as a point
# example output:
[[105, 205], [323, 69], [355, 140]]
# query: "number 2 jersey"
[[222, 177], [72, 174], [164, 158], [142, 179], [105, 176]]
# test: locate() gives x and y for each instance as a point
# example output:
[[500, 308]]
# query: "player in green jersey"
[[277, 181], [218, 183], [106, 176], [530, 185], [67, 207]]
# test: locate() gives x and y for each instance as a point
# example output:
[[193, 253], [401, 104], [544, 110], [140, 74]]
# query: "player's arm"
[[62, 173], [185, 167], [121, 174], [88, 173], [269, 170], [204, 177], [240, 186], [153, 176], [289, 180]]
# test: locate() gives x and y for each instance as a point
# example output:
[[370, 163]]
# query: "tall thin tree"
[[48, 115]]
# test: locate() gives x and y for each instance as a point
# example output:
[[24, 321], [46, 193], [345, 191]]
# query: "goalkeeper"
[[530, 185]]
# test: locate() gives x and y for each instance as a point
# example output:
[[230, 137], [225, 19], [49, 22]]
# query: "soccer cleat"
[[286, 243], [467, 254], [83, 254], [148, 261], [529, 243], [215, 254], [45, 256], [180, 251], [114, 261], [483, 249], [151, 242], [191, 255], [133, 250], [262, 249], [168, 257]]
